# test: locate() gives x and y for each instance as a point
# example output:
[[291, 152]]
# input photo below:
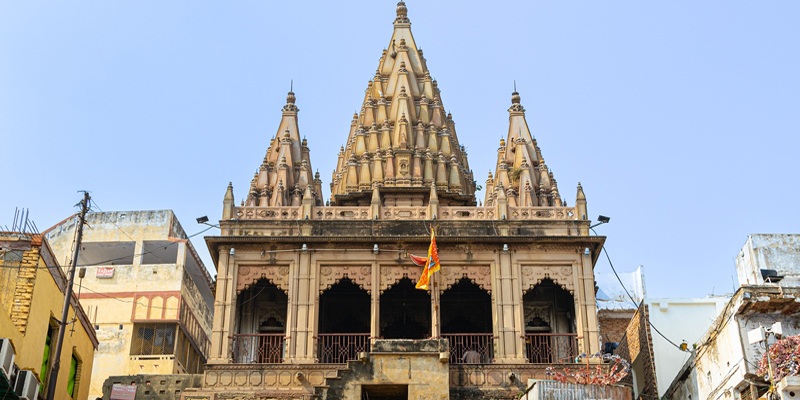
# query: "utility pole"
[[62, 324]]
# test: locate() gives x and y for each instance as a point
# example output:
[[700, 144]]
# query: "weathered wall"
[[153, 386], [679, 320], [636, 346], [613, 325], [136, 291], [42, 297], [778, 252]]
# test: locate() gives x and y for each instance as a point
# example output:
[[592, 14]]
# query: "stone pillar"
[[375, 310], [591, 334], [302, 315], [508, 313], [182, 254], [224, 308], [138, 251]]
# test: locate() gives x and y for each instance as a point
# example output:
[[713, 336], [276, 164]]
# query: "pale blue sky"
[[680, 118]]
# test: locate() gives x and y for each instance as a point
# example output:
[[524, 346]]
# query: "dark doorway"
[[467, 323], [549, 323], [405, 312], [344, 319], [384, 392], [261, 324], [466, 308], [344, 308]]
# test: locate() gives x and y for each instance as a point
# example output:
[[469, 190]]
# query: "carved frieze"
[[560, 275], [478, 274], [278, 275], [330, 274]]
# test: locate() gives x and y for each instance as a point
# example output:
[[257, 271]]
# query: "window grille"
[[153, 339]]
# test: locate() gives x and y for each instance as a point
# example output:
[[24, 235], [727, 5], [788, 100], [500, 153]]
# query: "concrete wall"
[[778, 252], [680, 320]]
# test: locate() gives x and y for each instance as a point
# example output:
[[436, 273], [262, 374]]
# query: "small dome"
[[402, 11], [290, 98], [515, 98]]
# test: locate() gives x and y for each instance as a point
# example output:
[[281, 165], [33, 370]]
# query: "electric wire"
[[647, 317]]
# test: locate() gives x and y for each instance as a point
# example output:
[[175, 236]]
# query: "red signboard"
[[105, 272], [123, 392]]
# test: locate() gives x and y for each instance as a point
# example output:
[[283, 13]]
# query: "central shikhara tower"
[[316, 298]]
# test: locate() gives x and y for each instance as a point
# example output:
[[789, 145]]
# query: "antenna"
[[515, 85], [291, 85]]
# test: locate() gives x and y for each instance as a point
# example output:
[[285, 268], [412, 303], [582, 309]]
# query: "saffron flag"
[[431, 264]]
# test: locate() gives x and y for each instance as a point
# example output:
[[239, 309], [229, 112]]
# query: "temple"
[[316, 299]]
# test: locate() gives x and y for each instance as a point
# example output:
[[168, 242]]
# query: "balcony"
[[549, 348], [338, 348], [262, 348], [470, 348]]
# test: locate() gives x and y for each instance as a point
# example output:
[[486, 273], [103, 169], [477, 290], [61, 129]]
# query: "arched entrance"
[[549, 323], [344, 319], [466, 313], [261, 324], [405, 312]]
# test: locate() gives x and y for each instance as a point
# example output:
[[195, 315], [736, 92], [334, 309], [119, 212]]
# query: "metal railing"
[[547, 348], [259, 348], [470, 348], [337, 348]]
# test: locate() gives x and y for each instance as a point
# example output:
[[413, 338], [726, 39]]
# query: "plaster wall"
[[678, 319]]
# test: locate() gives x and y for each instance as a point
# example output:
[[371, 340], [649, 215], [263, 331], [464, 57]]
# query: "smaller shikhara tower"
[[317, 298]]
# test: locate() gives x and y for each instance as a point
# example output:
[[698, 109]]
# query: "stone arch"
[[248, 275], [344, 307], [477, 274], [330, 275], [559, 275]]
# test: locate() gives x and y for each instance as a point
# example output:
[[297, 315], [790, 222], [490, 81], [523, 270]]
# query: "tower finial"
[[515, 85], [402, 13], [291, 85]]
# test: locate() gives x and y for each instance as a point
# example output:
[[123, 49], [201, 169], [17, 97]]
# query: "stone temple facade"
[[316, 299]]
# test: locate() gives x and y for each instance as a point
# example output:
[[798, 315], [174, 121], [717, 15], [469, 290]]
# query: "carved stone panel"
[[278, 275], [360, 275], [478, 274], [560, 275]]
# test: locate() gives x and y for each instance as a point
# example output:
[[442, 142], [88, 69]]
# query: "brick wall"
[[613, 325], [638, 342], [23, 292]]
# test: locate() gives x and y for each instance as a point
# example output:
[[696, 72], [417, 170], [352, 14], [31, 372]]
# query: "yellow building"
[[32, 289], [146, 292]]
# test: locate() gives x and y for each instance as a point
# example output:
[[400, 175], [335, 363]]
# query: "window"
[[74, 376], [49, 343], [153, 339]]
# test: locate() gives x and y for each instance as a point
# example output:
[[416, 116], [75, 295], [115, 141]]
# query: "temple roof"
[[521, 171], [285, 173], [402, 137]]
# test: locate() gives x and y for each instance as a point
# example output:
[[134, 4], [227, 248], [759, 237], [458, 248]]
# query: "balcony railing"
[[337, 348], [262, 348], [470, 348], [547, 348]]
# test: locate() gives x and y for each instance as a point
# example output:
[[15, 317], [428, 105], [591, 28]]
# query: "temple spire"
[[520, 165], [286, 166], [402, 120]]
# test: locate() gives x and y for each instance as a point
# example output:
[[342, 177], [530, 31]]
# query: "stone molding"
[[560, 275]]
